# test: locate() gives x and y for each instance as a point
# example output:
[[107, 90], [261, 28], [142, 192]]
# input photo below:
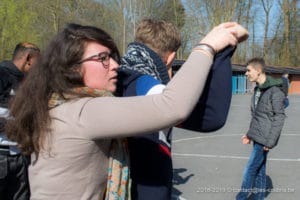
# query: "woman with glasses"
[[67, 119]]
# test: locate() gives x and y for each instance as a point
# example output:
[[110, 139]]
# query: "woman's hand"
[[225, 34], [242, 34]]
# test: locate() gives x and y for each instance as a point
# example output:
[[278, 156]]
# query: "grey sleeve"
[[109, 117], [278, 117]]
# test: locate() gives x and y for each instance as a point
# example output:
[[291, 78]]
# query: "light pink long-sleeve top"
[[76, 167]]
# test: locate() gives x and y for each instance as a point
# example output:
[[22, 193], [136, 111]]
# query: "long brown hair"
[[57, 72]]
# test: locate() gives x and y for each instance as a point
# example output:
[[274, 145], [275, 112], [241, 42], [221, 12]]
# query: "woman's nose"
[[113, 64]]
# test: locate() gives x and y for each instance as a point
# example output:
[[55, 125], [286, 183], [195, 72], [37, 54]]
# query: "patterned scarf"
[[144, 60], [118, 181], [57, 99]]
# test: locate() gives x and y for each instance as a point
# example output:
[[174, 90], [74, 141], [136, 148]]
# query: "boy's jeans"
[[254, 178]]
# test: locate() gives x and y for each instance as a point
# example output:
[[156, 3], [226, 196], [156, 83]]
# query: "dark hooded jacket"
[[142, 72], [10, 77], [268, 113]]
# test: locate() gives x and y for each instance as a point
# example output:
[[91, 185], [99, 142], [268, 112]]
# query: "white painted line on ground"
[[175, 197], [204, 137], [231, 135], [231, 157]]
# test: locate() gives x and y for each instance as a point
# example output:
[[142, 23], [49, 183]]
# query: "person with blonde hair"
[[145, 69]]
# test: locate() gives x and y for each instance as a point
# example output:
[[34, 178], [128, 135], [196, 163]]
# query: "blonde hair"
[[159, 35]]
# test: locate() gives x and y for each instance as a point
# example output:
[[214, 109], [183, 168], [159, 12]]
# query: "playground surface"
[[209, 166]]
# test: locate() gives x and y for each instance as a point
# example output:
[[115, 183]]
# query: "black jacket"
[[10, 77], [285, 85]]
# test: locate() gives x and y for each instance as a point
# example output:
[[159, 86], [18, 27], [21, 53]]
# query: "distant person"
[[265, 128], [13, 165], [286, 86], [67, 119], [145, 69]]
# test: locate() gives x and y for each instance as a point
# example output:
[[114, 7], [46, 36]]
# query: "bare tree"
[[273, 24], [202, 16], [15, 25], [267, 6]]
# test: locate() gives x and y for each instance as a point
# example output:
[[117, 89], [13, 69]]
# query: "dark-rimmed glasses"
[[103, 57]]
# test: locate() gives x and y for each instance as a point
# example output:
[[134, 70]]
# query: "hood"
[[125, 78], [142, 59], [270, 81]]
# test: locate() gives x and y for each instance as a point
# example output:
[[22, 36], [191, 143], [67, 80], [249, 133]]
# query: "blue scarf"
[[144, 60]]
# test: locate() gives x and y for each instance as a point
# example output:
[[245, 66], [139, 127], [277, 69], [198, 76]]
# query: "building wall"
[[240, 85], [295, 85]]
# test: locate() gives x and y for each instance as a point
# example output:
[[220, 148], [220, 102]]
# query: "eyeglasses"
[[103, 57]]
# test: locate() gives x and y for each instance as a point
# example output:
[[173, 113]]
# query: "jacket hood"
[[270, 81], [125, 78], [142, 59]]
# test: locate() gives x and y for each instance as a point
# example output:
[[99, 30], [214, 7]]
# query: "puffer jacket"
[[268, 115], [151, 166]]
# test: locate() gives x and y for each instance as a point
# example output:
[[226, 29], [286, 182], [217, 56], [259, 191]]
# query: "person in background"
[[265, 128], [286, 86], [65, 116], [145, 69], [13, 165]]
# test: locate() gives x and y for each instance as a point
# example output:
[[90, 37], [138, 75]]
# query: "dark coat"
[[10, 77]]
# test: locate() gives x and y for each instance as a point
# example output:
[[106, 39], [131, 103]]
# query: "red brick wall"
[[295, 85]]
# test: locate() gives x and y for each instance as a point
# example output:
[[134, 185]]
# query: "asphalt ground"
[[210, 166]]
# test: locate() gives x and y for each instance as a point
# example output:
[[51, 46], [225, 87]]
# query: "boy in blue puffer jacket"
[[145, 69]]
